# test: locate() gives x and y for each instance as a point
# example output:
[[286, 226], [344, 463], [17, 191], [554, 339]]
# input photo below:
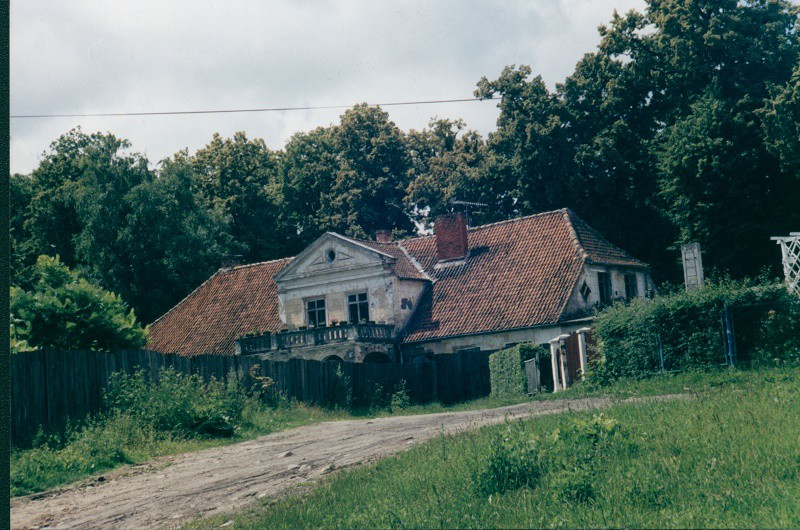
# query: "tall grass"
[[729, 457]]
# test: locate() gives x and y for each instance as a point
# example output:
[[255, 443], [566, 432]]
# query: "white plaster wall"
[[379, 293], [410, 290], [589, 274], [498, 341]]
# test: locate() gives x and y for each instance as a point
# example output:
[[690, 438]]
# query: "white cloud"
[[118, 56]]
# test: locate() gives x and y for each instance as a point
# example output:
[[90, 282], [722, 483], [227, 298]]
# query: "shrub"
[[178, 403], [516, 460], [520, 459], [400, 399], [688, 326], [507, 370]]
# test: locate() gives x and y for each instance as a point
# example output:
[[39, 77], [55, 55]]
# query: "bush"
[[568, 459], [507, 370], [400, 399], [177, 403], [689, 327]]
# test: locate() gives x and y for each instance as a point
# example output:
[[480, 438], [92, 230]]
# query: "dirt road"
[[170, 491]]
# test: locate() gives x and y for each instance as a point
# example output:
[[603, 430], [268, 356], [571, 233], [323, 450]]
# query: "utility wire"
[[239, 111]]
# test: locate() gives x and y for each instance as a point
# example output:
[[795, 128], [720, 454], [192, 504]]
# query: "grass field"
[[726, 457], [106, 445]]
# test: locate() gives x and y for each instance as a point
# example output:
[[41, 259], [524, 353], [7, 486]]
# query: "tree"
[[622, 139], [448, 165], [349, 178], [60, 309], [368, 191], [235, 176], [172, 242]]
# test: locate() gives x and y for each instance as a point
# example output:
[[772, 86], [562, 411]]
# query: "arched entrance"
[[332, 359], [377, 357]]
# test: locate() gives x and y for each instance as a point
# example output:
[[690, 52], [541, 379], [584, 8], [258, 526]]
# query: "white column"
[[562, 351], [582, 350], [554, 362]]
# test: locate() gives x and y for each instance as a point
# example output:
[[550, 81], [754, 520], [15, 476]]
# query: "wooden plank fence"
[[51, 387]]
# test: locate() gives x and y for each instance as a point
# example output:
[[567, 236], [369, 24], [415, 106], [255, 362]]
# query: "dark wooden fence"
[[51, 387]]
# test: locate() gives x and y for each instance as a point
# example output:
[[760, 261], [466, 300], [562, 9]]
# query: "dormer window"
[[358, 306], [315, 312]]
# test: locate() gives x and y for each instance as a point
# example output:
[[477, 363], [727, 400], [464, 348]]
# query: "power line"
[[240, 111]]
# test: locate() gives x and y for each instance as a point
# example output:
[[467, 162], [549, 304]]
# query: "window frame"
[[604, 288], [317, 309], [631, 286], [358, 307]]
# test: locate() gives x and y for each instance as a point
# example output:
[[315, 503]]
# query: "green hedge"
[[689, 327], [507, 370]]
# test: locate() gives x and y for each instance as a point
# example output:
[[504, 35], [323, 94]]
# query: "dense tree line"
[[683, 125]]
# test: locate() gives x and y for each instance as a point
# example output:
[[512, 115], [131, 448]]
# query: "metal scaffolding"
[[790, 255]]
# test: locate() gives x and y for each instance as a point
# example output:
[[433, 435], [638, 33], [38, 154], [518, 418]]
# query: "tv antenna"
[[466, 205]]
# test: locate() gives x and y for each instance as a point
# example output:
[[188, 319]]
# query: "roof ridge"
[[488, 225], [216, 272], [515, 219]]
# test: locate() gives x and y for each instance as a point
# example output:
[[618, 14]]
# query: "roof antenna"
[[466, 205]]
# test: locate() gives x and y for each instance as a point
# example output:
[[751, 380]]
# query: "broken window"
[[359, 308], [631, 289], [604, 285], [315, 312], [585, 291]]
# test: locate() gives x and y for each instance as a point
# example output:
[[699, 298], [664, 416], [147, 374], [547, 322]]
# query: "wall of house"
[[407, 294], [577, 304], [353, 270], [379, 289], [494, 341]]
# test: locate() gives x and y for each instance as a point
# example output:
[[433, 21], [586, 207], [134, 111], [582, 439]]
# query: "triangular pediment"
[[329, 254]]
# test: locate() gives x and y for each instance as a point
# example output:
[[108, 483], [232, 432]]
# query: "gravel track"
[[170, 491]]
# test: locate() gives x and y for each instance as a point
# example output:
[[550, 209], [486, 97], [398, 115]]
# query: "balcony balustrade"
[[375, 333]]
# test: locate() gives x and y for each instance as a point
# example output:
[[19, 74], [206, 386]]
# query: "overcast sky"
[[131, 56]]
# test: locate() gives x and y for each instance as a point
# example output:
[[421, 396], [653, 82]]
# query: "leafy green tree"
[[308, 168], [60, 309], [368, 191], [782, 124], [349, 178], [622, 139], [235, 177], [172, 242], [20, 194], [450, 164]]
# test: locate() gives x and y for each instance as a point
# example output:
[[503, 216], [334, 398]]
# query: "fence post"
[[660, 352], [731, 347]]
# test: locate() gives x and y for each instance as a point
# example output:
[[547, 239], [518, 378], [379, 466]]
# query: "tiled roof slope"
[[230, 303], [598, 249], [519, 273], [404, 267]]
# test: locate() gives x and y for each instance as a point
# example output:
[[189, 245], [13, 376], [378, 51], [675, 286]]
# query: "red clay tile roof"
[[404, 267], [229, 304], [518, 273], [597, 248]]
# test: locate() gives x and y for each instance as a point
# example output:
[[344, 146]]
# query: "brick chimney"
[[451, 236], [383, 236]]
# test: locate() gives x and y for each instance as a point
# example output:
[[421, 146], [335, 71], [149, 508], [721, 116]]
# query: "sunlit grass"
[[727, 457]]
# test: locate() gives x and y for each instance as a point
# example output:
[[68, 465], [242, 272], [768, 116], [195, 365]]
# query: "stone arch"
[[333, 358], [377, 357]]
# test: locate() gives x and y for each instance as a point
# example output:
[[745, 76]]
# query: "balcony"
[[373, 333]]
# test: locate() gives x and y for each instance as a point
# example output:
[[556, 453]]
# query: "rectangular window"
[[604, 285], [359, 307], [631, 289], [315, 312]]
